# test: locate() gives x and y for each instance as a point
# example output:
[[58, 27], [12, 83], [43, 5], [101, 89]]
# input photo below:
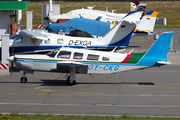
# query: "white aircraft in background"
[[99, 28], [82, 61], [89, 13], [34, 41]]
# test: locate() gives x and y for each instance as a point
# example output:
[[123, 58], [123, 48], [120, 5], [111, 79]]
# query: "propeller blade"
[[11, 68]]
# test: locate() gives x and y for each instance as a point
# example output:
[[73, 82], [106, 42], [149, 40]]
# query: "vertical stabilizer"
[[148, 21], [158, 51], [134, 4], [122, 32]]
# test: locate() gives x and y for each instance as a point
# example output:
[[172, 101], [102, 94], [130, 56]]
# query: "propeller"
[[11, 59]]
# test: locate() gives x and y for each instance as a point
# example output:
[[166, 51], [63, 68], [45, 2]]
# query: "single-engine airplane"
[[34, 41], [99, 28], [82, 61], [93, 14]]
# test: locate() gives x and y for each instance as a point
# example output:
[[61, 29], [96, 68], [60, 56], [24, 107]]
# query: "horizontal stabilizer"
[[163, 62]]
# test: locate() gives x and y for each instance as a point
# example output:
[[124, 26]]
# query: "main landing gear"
[[71, 79], [23, 79]]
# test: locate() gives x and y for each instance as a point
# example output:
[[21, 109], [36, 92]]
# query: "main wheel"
[[70, 82], [23, 79]]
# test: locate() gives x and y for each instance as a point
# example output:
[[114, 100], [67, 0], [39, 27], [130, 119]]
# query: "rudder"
[[161, 46]]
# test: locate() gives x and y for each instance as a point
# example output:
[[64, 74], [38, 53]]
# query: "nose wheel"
[[23, 78]]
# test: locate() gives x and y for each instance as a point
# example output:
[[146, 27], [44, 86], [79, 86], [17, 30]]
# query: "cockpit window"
[[52, 53], [78, 33], [64, 54]]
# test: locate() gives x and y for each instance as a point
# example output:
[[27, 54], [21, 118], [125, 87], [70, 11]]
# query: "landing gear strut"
[[71, 79], [23, 78], [70, 82]]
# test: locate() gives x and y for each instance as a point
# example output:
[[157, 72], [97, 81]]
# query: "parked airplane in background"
[[99, 28], [34, 41], [93, 14], [72, 60]]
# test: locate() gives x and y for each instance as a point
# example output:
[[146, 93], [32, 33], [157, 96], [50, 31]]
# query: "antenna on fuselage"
[[114, 49], [131, 51]]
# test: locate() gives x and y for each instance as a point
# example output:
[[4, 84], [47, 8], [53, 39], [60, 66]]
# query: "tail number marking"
[[103, 67], [80, 42]]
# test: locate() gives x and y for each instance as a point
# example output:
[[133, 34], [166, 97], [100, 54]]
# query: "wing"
[[64, 66], [33, 34]]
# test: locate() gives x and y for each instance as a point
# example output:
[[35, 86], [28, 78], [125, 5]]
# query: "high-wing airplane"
[[99, 28], [119, 35], [82, 61], [93, 14]]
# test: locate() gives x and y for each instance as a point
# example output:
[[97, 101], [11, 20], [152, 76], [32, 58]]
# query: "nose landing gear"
[[23, 79]]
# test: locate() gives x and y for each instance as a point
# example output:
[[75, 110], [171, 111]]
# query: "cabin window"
[[60, 41], [105, 59], [92, 57], [78, 55], [52, 53], [64, 54], [47, 41]]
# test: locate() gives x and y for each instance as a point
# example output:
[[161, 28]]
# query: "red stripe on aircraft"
[[127, 58]]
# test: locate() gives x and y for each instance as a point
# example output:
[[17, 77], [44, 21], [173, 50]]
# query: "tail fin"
[[148, 21], [158, 51], [120, 34], [141, 7], [134, 4]]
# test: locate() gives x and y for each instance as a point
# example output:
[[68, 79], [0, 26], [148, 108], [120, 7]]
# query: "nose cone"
[[11, 59]]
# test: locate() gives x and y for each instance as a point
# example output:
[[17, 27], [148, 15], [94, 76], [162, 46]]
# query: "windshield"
[[52, 53]]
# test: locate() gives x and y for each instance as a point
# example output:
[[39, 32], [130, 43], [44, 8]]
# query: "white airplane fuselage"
[[89, 62], [89, 14]]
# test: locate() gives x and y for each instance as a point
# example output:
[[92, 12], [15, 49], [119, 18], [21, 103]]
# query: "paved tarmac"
[[148, 92]]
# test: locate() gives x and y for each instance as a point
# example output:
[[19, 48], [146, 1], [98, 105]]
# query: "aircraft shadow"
[[54, 83], [64, 83]]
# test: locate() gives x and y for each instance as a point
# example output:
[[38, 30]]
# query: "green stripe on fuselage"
[[135, 58]]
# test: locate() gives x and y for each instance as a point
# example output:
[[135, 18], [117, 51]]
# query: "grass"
[[15, 116], [168, 9]]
